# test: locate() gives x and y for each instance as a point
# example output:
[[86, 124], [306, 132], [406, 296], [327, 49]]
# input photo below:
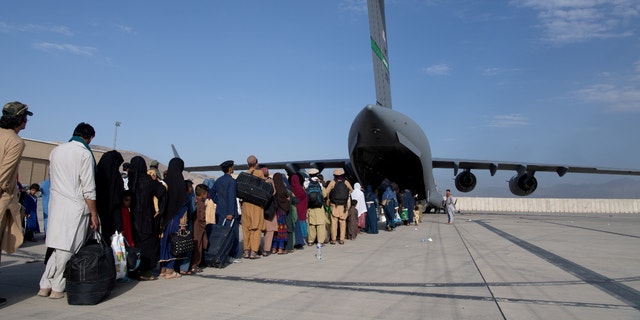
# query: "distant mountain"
[[622, 188], [127, 155]]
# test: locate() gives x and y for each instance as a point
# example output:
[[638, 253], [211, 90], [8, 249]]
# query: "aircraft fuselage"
[[384, 143]]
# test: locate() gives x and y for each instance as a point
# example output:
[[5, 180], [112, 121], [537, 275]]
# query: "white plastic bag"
[[119, 255]]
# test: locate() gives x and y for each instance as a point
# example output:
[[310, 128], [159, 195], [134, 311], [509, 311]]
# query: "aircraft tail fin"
[[175, 151], [379, 52]]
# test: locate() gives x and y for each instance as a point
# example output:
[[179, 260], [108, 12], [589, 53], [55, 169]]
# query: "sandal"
[[173, 275], [253, 255], [246, 255], [341, 242], [186, 273], [149, 278], [195, 270]]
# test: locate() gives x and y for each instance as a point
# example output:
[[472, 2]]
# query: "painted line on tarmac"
[[584, 228], [369, 287], [620, 291]]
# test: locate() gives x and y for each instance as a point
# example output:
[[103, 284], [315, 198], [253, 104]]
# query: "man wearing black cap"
[[224, 195], [14, 120]]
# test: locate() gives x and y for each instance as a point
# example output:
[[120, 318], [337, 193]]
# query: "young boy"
[[352, 221], [200, 238], [30, 203]]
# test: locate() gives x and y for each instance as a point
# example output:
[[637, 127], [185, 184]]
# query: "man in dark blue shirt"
[[224, 195]]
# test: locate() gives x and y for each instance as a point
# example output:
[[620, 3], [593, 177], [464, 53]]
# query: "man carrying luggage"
[[252, 217], [224, 195], [72, 206], [339, 190]]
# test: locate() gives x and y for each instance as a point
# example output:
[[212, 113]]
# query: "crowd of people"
[[85, 197]]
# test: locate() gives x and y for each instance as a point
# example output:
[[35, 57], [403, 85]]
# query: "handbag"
[[182, 243], [133, 256]]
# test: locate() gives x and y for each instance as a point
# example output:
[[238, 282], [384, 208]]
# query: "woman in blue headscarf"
[[371, 225], [389, 203]]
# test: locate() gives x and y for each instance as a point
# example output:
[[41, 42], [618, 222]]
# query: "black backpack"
[[270, 209], [314, 195], [340, 193]]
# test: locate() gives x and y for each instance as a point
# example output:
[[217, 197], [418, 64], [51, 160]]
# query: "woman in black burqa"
[[146, 219], [109, 189], [177, 199]]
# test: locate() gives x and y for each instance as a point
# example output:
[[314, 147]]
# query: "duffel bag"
[[253, 189], [91, 273]]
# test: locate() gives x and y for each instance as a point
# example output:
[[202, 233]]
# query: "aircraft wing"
[[493, 166], [289, 166], [438, 163]]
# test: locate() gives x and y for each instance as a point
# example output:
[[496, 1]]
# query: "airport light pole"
[[115, 136]]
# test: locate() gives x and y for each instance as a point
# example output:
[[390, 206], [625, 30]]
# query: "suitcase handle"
[[232, 221]]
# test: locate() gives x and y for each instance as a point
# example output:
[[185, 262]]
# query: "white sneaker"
[[234, 260]]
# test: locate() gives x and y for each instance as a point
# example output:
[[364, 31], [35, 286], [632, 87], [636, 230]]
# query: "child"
[[30, 203], [126, 218], [352, 221], [200, 239]]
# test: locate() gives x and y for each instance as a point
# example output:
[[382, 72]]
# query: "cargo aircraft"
[[385, 144]]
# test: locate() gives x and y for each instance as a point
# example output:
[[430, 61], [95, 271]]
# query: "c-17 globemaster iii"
[[384, 144]]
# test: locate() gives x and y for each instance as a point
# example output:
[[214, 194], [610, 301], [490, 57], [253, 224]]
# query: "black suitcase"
[[90, 274], [253, 189], [220, 242]]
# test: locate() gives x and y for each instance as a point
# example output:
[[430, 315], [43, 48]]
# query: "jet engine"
[[523, 184], [465, 181]]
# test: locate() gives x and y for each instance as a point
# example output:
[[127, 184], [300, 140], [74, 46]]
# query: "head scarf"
[[298, 191], [358, 195], [109, 189], [282, 194], [143, 189], [369, 194], [176, 189]]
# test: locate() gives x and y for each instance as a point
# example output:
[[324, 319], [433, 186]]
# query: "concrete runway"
[[484, 266]]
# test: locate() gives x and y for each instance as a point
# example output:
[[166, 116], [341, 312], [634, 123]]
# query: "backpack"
[[340, 193], [270, 209], [314, 195]]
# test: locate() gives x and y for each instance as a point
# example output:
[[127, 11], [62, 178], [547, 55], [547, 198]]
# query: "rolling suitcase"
[[220, 242]]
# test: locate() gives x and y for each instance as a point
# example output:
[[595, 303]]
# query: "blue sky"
[[544, 81]]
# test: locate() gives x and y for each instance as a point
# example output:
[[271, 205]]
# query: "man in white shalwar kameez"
[[72, 206], [450, 207]]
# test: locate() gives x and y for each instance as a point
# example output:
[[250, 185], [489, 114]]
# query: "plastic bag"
[[119, 254]]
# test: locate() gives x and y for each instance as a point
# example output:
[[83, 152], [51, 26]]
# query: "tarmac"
[[484, 266]]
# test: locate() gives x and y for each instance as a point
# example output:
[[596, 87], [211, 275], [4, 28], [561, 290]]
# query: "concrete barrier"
[[549, 205]]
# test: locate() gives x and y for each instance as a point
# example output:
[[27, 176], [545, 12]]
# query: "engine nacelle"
[[523, 185], [465, 181]]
